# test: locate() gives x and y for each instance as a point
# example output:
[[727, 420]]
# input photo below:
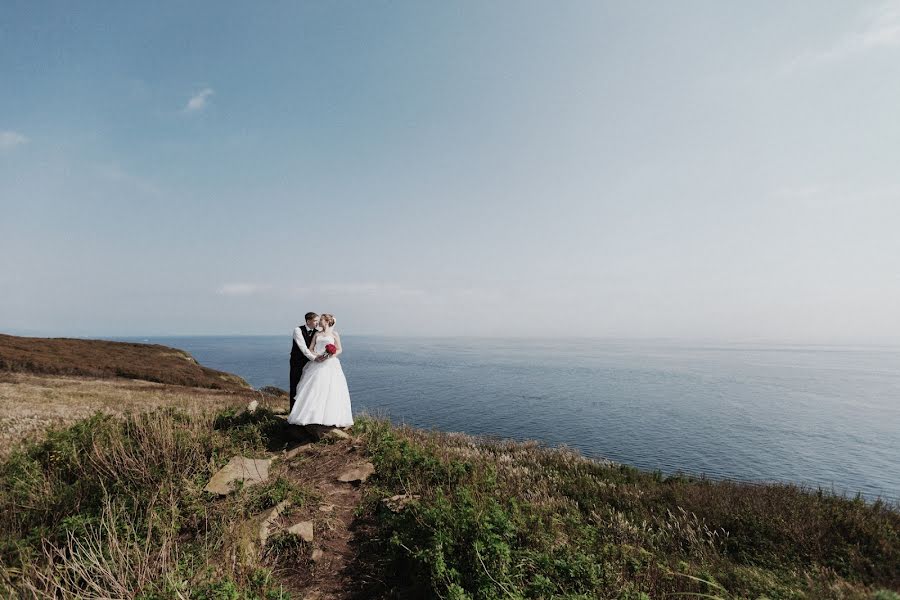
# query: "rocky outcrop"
[[250, 471]]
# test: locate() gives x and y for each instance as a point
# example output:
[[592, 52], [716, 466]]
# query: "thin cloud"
[[114, 174], [392, 291], [199, 101], [11, 139], [359, 291], [880, 30], [243, 289], [363, 289]]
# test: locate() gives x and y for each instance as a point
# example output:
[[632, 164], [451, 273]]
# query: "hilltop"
[[130, 504], [56, 381], [105, 359]]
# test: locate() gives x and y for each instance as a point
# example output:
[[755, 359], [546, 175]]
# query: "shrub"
[[498, 519], [115, 506]]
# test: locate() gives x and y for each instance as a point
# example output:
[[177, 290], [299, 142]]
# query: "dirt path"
[[333, 569]]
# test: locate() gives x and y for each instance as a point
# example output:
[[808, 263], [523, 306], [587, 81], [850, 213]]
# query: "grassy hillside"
[[489, 519], [29, 403], [106, 500], [102, 359], [115, 508]]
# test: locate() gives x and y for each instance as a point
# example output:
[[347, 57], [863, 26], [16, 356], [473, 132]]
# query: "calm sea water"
[[820, 416]]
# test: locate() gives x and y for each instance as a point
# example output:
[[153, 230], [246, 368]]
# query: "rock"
[[304, 529], [337, 434], [251, 408], [359, 474], [327, 432], [267, 520], [298, 450], [252, 534], [399, 502], [317, 555], [249, 470]]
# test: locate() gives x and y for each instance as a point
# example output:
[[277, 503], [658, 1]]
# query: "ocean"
[[821, 416]]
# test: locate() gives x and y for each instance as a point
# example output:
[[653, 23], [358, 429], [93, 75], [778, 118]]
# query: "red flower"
[[331, 349]]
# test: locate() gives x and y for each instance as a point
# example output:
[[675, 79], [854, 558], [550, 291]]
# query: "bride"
[[322, 394]]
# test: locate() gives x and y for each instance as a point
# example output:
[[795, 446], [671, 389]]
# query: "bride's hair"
[[327, 318]]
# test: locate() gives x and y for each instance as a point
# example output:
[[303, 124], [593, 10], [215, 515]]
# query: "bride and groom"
[[319, 393]]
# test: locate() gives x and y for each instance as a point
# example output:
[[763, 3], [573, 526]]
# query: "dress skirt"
[[323, 397]]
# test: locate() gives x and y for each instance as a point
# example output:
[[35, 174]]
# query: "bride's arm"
[[337, 344], [307, 352]]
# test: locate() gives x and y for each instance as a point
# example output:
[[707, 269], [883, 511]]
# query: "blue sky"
[[688, 170]]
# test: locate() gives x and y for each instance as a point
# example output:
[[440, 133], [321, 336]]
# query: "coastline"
[[386, 510]]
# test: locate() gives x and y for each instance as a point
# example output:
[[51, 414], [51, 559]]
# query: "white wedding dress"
[[323, 397]]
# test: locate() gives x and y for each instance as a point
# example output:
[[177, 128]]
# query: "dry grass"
[[114, 507], [31, 403], [112, 561], [103, 359]]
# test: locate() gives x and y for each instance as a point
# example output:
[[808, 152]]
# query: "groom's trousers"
[[296, 372]]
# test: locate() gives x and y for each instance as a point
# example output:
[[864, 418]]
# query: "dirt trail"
[[334, 568]]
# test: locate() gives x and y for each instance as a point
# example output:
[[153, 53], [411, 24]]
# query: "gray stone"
[[337, 434], [298, 450], [357, 473], [327, 432], [267, 520], [317, 555], [249, 470], [304, 529]]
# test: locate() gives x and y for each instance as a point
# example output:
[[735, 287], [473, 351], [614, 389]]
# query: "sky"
[[698, 169]]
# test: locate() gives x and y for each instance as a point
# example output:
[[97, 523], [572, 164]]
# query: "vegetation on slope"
[[115, 507], [508, 520], [99, 358], [29, 403]]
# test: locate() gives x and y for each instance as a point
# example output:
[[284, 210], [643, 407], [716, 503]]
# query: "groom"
[[303, 334]]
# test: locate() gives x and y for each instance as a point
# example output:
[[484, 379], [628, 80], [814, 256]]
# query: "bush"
[[258, 430], [499, 519], [116, 506]]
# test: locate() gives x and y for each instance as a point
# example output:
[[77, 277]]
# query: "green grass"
[[506, 520], [115, 507]]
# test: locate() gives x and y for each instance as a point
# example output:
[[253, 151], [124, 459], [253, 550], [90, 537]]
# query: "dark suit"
[[298, 361]]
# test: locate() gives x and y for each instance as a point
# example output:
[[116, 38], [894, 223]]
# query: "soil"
[[335, 565]]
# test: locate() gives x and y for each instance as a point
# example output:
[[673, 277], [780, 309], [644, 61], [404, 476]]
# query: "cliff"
[[104, 359], [229, 501]]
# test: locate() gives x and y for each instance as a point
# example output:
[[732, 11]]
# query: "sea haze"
[[816, 415]]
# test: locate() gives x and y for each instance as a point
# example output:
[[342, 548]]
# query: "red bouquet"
[[331, 349]]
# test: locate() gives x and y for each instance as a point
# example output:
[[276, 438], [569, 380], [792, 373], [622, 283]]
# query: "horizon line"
[[884, 343]]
